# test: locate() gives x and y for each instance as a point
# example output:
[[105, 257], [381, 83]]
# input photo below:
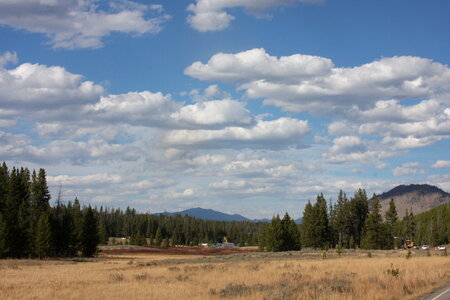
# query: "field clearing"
[[249, 275]]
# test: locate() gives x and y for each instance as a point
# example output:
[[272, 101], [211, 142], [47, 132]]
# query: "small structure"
[[228, 245], [205, 245]]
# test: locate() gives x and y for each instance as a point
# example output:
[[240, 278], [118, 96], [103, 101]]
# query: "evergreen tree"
[[306, 227], [392, 219], [158, 237], [343, 222], [4, 178], [410, 228], [43, 236], [376, 235], [359, 208], [102, 235], [280, 235], [4, 250], [89, 235], [291, 235]]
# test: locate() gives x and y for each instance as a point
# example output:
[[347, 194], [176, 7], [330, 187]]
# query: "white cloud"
[[85, 180], [31, 87], [80, 23], [442, 164], [405, 169], [212, 92], [256, 64], [399, 126], [8, 57], [214, 113], [354, 149], [309, 83], [78, 153], [136, 108], [211, 15], [228, 184], [187, 193], [274, 134]]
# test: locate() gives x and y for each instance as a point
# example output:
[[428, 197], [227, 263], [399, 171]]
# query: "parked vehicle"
[[425, 247], [441, 248], [415, 247]]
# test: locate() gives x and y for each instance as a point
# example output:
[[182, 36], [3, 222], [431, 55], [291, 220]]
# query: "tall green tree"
[[410, 225], [359, 208], [43, 236], [376, 235], [89, 234], [4, 178], [4, 247]]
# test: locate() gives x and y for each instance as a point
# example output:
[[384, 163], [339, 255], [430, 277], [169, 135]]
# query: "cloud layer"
[[81, 23], [211, 15], [309, 83]]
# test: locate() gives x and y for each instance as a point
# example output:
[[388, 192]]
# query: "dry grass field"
[[248, 275]]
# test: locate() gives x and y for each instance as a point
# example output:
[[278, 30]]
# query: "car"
[[415, 247], [425, 247], [441, 248]]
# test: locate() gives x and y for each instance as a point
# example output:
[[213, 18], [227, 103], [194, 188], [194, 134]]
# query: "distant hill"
[[214, 215], [210, 214], [419, 197]]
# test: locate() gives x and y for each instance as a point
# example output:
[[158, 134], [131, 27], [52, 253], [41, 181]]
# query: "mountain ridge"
[[418, 197]]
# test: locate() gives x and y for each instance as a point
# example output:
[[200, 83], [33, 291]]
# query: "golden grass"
[[256, 276]]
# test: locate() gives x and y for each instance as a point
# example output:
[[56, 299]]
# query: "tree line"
[[355, 223], [164, 230], [30, 227]]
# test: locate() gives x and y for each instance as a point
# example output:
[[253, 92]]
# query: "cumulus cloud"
[[442, 164], [257, 64], [355, 149], [399, 126], [280, 133], [8, 57], [212, 92], [214, 113], [60, 151], [309, 83], [81, 23], [405, 169], [85, 180], [136, 108], [37, 87], [211, 15]]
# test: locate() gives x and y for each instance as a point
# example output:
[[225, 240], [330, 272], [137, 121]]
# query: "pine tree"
[[307, 226], [43, 236], [410, 229], [4, 248], [392, 219], [359, 208], [158, 237], [291, 235], [376, 235], [89, 235], [4, 177]]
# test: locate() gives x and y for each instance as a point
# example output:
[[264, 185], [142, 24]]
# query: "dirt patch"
[[176, 251]]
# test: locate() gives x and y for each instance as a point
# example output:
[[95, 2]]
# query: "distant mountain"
[[210, 214], [419, 197]]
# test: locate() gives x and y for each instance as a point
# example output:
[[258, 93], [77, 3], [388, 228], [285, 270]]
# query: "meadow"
[[248, 275]]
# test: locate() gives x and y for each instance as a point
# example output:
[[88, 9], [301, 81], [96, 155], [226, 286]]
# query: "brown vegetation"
[[250, 275]]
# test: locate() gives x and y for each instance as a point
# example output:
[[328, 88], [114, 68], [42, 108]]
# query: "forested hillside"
[[433, 226]]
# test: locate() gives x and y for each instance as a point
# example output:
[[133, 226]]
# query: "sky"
[[242, 106]]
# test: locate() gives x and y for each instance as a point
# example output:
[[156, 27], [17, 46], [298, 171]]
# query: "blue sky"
[[248, 107]]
